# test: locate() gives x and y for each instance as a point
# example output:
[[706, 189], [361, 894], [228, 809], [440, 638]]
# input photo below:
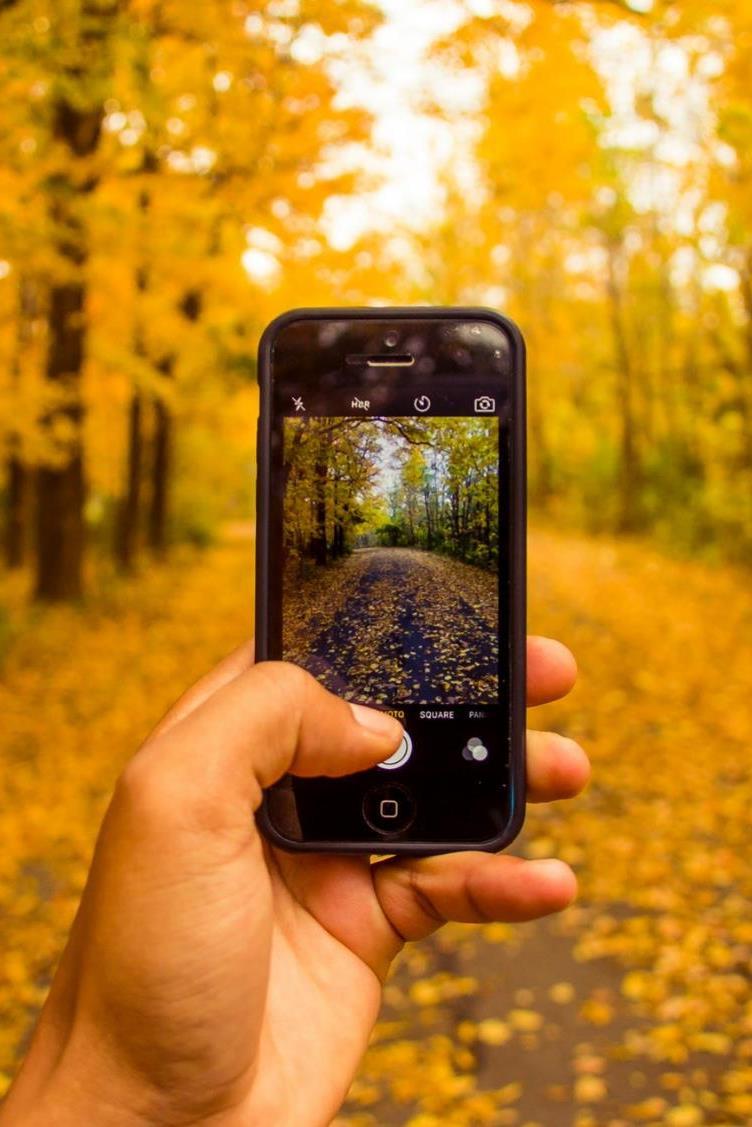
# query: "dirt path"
[[405, 624]]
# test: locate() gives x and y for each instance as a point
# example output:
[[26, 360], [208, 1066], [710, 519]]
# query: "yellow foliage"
[[429, 991], [524, 1021], [589, 1089], [493, 1032], [685, 1115], [561, 993]]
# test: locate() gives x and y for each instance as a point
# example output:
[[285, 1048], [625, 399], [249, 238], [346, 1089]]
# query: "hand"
[[210, 978]]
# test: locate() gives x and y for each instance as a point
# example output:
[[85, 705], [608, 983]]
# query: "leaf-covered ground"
[[633, 1007], [417, 624]]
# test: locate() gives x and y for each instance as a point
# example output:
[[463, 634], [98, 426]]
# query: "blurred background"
[[172, 175]]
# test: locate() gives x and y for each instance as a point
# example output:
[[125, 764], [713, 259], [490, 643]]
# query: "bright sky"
[[410, 147]]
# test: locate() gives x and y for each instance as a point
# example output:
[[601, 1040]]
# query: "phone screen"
[[391, 559], [390, 517]]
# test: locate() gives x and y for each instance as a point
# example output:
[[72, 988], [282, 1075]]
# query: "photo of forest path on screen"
[[391, 549]]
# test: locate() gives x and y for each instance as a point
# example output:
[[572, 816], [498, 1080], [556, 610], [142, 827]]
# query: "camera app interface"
[[391, 552], [391, 454]]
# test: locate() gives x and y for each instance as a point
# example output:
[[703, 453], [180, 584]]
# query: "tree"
[[440, 492], [195, 127], [77, 112]]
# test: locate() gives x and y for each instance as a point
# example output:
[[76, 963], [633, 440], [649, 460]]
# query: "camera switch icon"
[[485, 405]]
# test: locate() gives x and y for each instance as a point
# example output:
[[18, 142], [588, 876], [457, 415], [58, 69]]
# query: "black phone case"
[[517, 566]]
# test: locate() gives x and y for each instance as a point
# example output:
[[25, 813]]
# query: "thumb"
[[272, 719]]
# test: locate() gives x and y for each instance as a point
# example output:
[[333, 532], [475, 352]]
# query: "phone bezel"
[[517, 563]]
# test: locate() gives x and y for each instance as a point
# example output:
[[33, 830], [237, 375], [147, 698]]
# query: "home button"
[[389, 809]]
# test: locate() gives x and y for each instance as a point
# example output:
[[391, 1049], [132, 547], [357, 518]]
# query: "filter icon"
[[475, 750]]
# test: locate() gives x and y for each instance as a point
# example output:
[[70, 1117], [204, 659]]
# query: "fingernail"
[[553, 869], [556, 872], [380, 723]]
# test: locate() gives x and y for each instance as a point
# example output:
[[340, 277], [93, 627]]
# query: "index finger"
[[551, 670]]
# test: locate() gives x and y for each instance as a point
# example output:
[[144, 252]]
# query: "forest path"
[[407, 625]]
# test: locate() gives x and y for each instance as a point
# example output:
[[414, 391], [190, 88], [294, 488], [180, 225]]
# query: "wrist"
[[66, 1105], [68, 1100], [59, 1094], [57, 1087], [63, 1083]]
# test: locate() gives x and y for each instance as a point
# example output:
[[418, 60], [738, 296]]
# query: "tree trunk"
[[157, 524], [126, 542], [129, 515], [19, 479], [454, 500], [19, 496], [60, 488], [158, 518], [429, 521], [77, 116], [318, 543], [60, 531], [629, 477]]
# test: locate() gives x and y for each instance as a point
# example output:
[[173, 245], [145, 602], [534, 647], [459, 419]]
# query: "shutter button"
[[400, 756]]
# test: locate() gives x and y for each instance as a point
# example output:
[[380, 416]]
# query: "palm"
[[273, 952], [296, 946], [318, 974]]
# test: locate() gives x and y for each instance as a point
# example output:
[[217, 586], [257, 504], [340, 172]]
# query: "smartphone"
[[391, 566]]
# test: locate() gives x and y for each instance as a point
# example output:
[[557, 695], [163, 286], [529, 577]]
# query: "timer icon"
[[422, 403]]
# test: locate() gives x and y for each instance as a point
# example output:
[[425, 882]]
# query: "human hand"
[[212, 979]]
